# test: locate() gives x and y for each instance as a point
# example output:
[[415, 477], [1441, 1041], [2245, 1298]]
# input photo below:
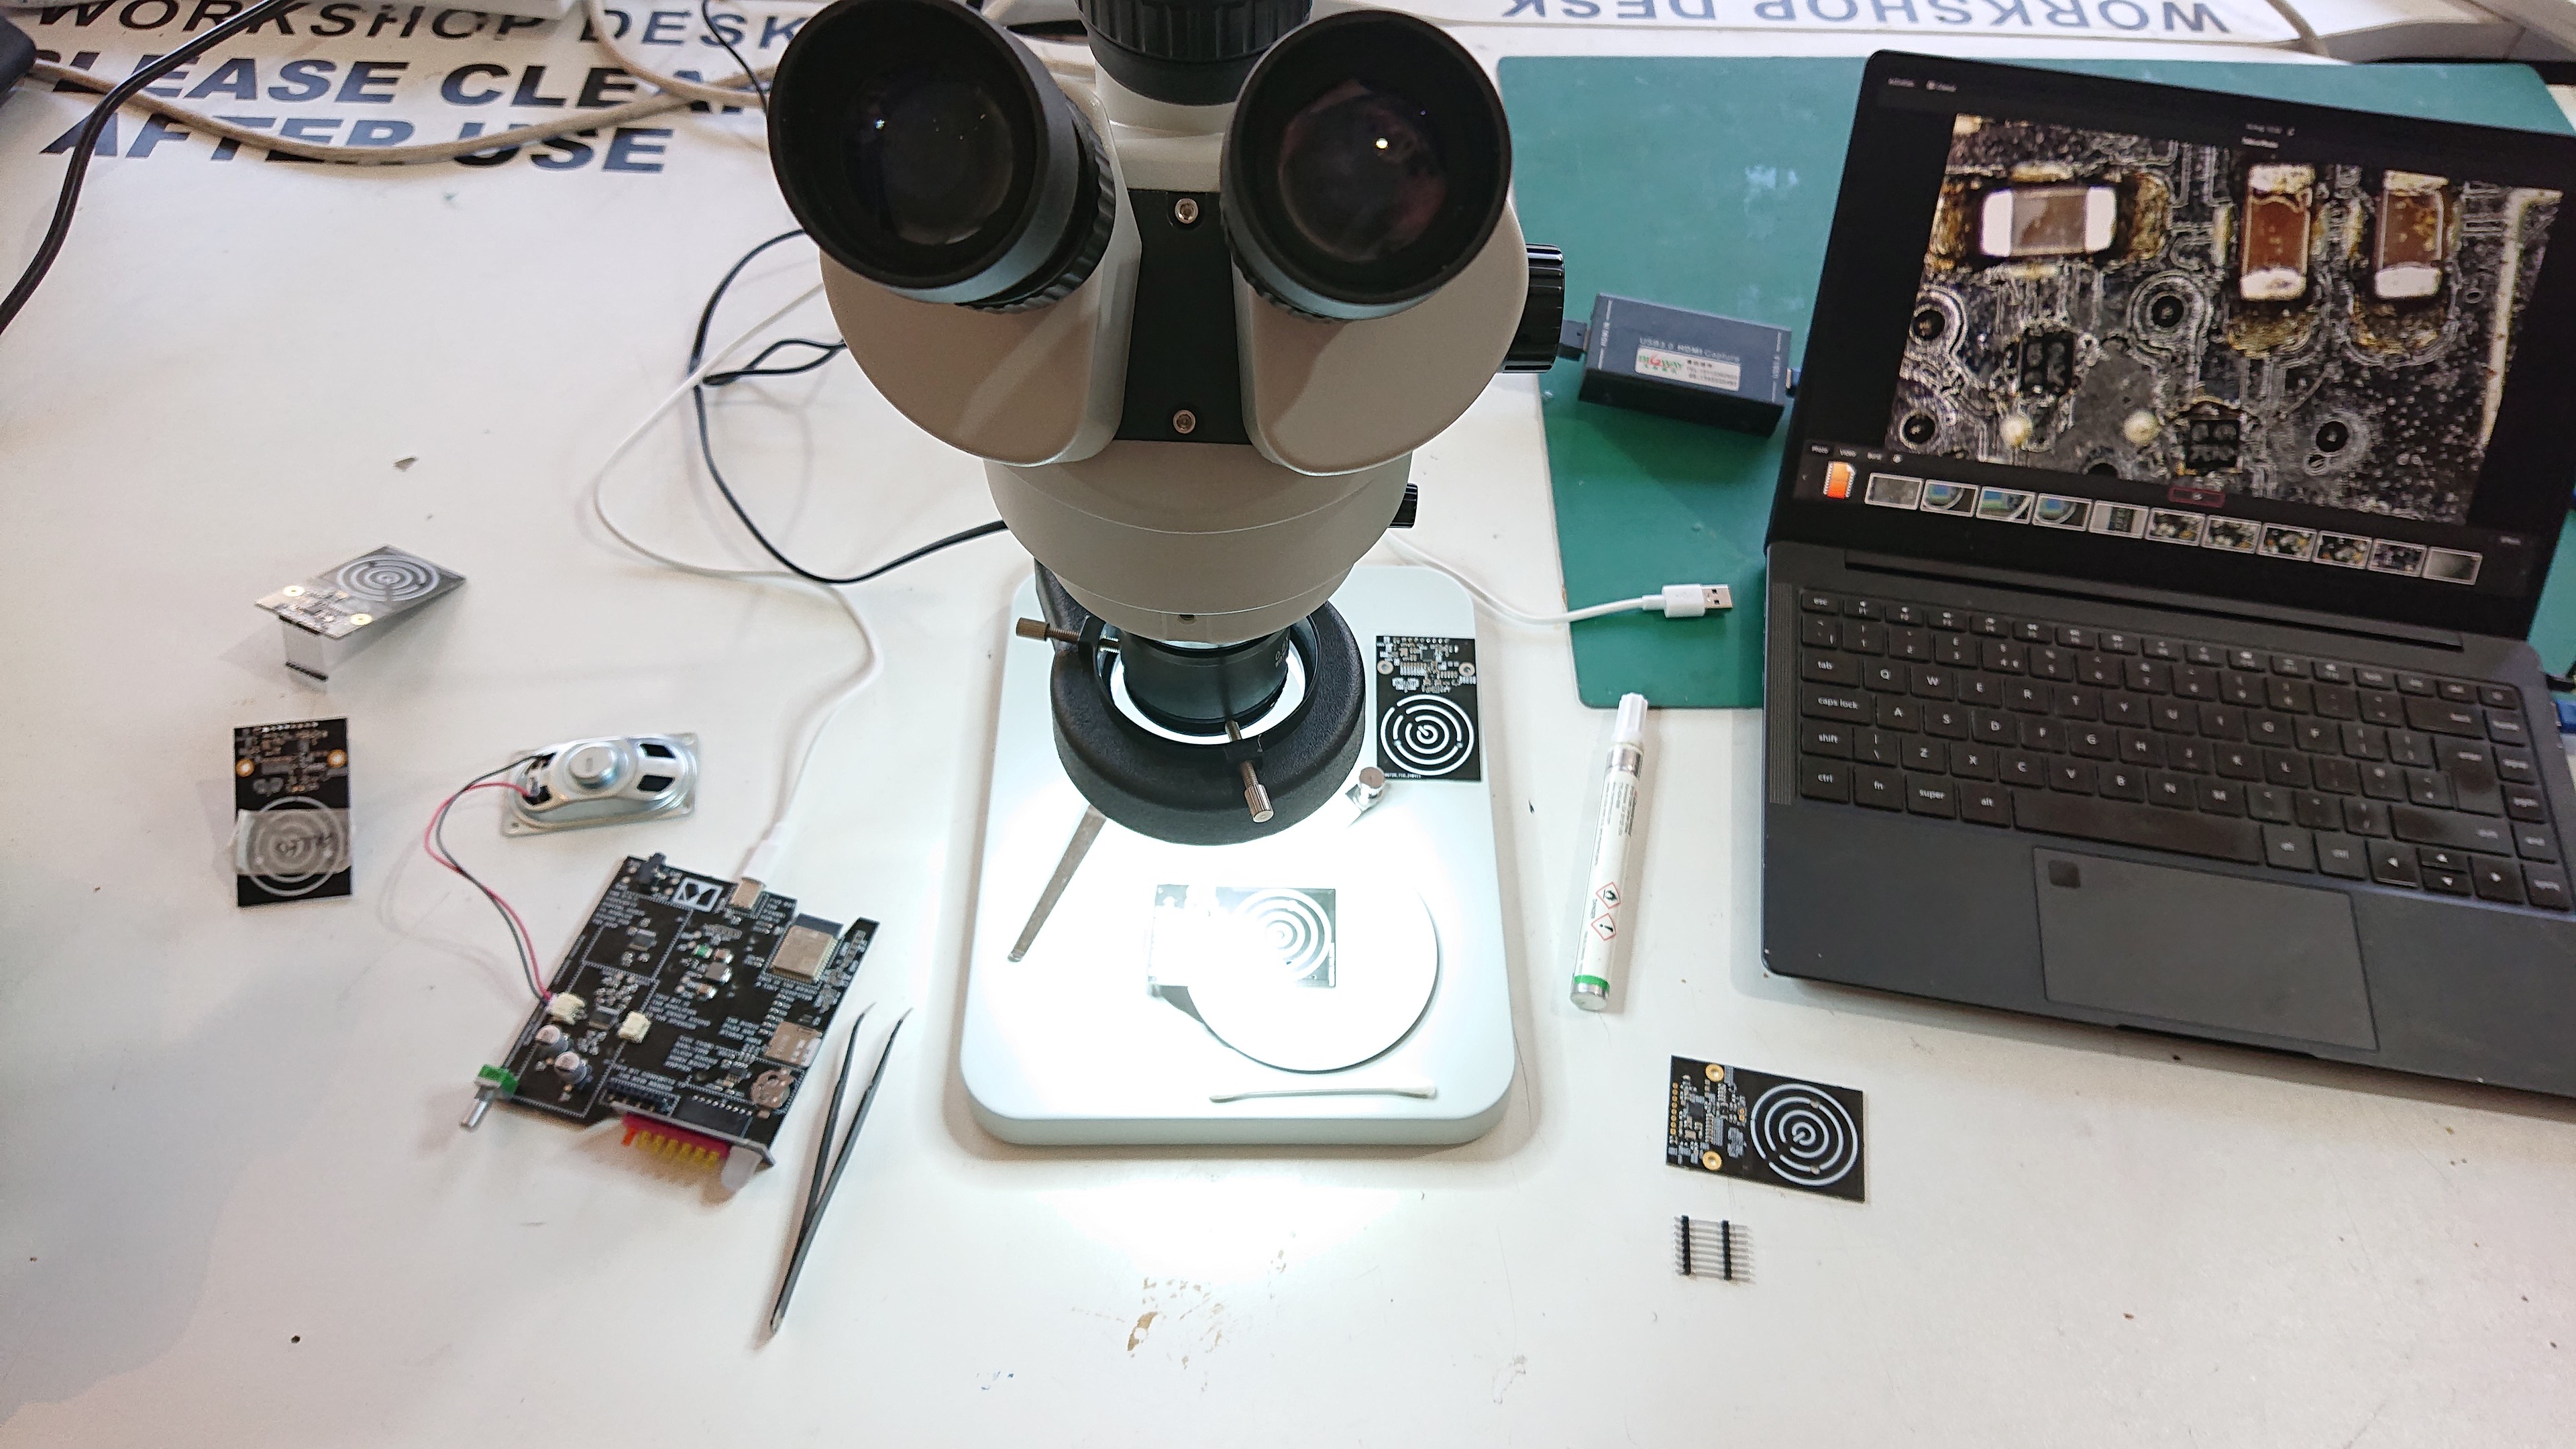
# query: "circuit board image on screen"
[[2244, 321]]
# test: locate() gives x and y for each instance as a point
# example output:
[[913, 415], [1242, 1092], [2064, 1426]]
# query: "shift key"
[[2442, 827]]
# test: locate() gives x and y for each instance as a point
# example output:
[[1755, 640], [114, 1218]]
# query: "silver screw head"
[[1185, 422], [1186, 211]]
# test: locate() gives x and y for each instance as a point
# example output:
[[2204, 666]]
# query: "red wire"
[[428, 843], [429, 847]]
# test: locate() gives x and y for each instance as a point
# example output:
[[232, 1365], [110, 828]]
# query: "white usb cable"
[[1673, 601]]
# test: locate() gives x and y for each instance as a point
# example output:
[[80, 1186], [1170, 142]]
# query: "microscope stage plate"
[[1367, 952]]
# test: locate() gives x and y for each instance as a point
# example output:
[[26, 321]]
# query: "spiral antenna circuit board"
[[334, 614], [1426, 708], [290, 812], [1761, 1128]]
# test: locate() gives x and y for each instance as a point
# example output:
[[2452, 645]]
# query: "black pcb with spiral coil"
[[1426, 708], [1761, 1128], [290, 812]]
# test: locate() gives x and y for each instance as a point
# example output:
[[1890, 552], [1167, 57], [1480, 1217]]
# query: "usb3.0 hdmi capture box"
[[1696, 366]]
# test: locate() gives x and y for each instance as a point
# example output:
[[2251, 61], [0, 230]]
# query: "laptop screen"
[[2268, 351]]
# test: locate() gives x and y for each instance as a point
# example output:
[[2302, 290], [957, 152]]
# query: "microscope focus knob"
[[1533, 346], [1187, 52]]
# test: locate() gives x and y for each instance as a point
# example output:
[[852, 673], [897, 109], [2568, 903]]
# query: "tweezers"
[[819, 1184]]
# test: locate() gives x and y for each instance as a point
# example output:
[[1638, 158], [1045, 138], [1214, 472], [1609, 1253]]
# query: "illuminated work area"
[[1049, 720]]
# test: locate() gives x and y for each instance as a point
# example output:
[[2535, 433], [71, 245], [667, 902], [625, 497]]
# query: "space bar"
[[2153, 827]]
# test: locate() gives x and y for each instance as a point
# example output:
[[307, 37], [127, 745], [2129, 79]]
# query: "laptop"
[[2171, 485]]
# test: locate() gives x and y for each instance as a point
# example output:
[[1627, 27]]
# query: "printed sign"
[[2224, 22], [361, 75], [357, 75]]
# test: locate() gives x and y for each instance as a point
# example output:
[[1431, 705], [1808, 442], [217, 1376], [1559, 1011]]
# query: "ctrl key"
[[1824, 779], [2545, 886], [2341, 855]]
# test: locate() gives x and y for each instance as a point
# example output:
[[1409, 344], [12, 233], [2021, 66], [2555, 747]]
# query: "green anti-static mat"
[[1710, 183]]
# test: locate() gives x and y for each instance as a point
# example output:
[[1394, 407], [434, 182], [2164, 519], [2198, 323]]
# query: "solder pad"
[[1762, 1128]]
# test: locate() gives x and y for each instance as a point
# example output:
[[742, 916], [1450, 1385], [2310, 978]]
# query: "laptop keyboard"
[[2302, 763]]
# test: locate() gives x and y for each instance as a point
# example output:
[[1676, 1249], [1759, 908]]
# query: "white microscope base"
[[1069, 1045]]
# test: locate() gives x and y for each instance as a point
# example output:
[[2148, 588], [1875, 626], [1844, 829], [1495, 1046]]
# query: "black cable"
[[76, 167], [438, 834], [707, 314], [753, 368], [749, 74], [706, 438]]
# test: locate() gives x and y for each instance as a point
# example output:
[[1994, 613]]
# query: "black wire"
[[76, 167], [757, 88], [438, 833], [707, 314], [706, 438], [753, 368]]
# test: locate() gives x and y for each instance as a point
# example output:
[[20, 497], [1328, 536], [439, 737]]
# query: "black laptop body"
[[2170, 490]]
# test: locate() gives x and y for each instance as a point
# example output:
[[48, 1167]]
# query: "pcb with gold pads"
[[1761, 1128]]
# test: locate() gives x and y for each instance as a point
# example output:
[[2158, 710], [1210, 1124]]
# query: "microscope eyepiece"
[[1367, 165], [927, 150]]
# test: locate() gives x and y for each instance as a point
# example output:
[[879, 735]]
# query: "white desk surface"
[[236, 1209]]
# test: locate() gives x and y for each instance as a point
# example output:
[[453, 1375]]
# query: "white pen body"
[[1605, 904]]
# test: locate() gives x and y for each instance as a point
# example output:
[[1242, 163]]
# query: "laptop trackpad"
[[2201, 950]]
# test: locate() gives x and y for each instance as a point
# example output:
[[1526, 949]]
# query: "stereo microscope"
[[1196, 304]]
